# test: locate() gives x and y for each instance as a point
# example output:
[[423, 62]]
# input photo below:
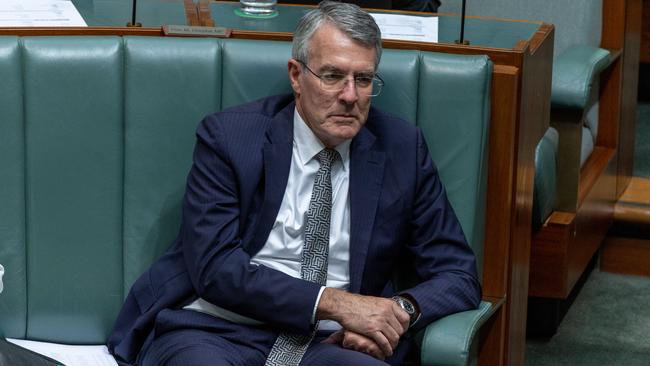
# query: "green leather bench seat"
[[575, 92], [576, 75], [96, 135], [544, 192]]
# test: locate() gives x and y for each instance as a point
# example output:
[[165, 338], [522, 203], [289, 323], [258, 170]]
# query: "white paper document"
[[39, 13], [407, 27], [70, 355]]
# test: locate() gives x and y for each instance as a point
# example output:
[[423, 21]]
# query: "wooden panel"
[[593, 220], [632, 214], [534, 112], [613, 24], [637, 193], [629, 90], [645, 33], [496, 252], [205, 17], [594, 168], [191, 13], [83, 31], [567, 123], [633, 207], [548, 258], [610, 104], [491, 344], [505, 83], [621, 31], [626, 256]]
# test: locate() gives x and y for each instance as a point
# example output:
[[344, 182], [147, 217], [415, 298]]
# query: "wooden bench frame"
[[563, 248]]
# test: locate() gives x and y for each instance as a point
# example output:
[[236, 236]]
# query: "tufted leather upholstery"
[[96, 137]]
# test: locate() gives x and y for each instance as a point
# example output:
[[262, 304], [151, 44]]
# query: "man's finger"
[[363, 344], [382, 342], [392, 336], [396, 317], [334, 338]]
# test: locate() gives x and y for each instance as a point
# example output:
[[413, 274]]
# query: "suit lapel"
[[277, 163], [366, 175]]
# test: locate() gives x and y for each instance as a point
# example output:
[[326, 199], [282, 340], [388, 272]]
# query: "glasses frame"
[[375, 77]]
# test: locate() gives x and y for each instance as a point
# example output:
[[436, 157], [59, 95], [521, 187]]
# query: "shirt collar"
[[308, 145]]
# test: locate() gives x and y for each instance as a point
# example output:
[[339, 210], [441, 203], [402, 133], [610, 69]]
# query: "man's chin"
[[348, 132]]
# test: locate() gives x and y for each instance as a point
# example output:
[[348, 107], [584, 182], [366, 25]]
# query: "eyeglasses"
[[369, 85]]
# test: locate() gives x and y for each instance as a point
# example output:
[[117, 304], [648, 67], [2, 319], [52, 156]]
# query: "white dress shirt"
[[283, 247]]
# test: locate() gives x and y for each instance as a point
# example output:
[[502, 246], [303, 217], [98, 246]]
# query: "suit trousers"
[[188, 338]]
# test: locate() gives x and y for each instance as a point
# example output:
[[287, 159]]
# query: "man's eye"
[[332, 78], [363, 80]]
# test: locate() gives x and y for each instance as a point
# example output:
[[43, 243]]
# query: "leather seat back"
[[96, 140]]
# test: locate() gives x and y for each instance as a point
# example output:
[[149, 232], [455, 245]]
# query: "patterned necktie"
[[289, 348]]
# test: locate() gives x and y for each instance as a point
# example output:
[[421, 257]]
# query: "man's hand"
[[377, 318], [355, 341]]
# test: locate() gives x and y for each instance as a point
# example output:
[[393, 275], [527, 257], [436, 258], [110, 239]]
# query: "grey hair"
[[348, 18]]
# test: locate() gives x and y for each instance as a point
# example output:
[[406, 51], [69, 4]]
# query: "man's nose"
[[350, 92]]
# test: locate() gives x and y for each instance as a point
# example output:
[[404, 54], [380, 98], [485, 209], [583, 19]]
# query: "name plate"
[[195, 31]]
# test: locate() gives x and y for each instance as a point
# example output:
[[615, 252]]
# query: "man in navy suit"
[[230, 290]]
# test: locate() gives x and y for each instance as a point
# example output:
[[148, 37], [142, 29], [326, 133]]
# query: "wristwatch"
[[407, 306]]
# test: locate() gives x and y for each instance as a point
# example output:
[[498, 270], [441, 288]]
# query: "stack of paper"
[[407, 27], [70, 355], [39, 13]]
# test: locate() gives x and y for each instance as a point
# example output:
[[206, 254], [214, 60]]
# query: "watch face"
[[405, 304], [408, 307]]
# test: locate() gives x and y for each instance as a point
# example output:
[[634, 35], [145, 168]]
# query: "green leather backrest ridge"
[[13, 309], [96, 139]]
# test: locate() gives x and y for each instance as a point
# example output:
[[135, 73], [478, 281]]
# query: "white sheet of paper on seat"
[[70, 355], [39, 13], [2, 272], [407, 27]]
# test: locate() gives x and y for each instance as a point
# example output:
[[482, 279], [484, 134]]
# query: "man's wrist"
[[326, 304], [409, 306]]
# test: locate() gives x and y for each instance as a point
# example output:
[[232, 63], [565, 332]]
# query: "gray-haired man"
[[295, 210]]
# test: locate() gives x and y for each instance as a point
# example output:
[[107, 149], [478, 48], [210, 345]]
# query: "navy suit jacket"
[[398, 210]]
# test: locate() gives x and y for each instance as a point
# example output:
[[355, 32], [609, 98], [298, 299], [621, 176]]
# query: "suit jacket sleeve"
[[218, 265], [442, 256]]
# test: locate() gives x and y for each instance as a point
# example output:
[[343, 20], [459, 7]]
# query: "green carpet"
[[608, 324]]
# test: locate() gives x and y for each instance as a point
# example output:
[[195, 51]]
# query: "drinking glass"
[[258, 7]]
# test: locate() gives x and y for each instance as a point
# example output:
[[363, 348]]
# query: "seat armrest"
[[448, 340], [544, 189], [574, 73]]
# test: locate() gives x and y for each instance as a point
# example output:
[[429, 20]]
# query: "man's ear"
[[295, 69]]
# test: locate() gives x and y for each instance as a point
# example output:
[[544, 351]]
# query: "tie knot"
[[327, 156]]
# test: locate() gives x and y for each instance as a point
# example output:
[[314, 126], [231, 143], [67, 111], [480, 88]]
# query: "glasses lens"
[[376, 87], [337, 82]]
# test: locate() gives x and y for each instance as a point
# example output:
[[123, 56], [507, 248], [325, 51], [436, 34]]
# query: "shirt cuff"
[[313, 314]]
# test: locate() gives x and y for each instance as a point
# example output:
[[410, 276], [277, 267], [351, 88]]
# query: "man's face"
[[339, 115]]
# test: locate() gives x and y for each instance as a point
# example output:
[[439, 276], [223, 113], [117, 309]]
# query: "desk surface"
[[493, 33], [481, 32], [116, 13]]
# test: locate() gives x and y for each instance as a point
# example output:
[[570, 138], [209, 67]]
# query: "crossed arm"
[[372, 325]]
